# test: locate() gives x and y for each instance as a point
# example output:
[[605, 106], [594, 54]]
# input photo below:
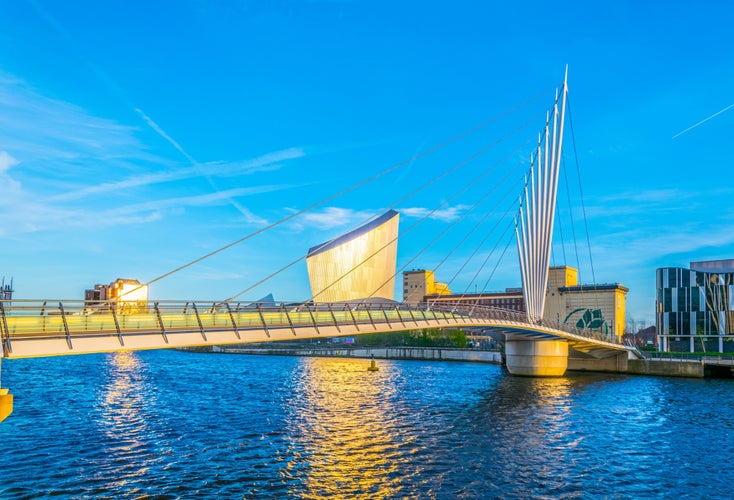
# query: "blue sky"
[[135, 138]]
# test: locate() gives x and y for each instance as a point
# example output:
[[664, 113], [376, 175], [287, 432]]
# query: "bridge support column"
[[6, 404], [6, 399], [536, 358]]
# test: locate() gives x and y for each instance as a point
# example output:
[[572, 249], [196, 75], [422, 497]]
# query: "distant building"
[[598, 307], [6, 290], [357, 265], [511, 299], [96, 295], [644, 337], [125, 294], [419, 283], [695, 307]]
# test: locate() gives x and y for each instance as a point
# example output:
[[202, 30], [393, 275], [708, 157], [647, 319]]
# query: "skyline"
[[135, 139]]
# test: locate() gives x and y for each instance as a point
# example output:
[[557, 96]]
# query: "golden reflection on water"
[[344, 429], [122, 402]]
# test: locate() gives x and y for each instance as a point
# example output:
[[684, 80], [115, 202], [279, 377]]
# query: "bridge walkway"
[[44, 328]]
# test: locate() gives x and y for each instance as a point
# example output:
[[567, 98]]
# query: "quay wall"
[[613, 364], [423, 353], [652, 367], [666, 368]]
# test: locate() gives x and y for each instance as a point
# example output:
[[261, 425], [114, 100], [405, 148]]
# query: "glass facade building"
[[695, 307]]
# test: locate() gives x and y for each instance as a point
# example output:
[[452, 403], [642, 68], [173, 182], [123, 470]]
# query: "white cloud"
[[209, 199], [647, 196], [331, 217], [220, 169], [248, 216], [448, 214], [6, 161], [62, 148], [8, 185], [36, 128]]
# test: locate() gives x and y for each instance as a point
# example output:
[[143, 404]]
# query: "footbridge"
[[366, 267], [32, 329]]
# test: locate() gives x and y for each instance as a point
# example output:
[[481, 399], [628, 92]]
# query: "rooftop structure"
[[6, 290], [125, 293], [419, 283], [714, 266]]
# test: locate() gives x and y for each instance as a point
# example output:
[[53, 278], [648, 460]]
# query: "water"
[[170, 424]]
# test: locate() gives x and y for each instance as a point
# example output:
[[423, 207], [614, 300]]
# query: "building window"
[[667, 300], [695, 299], [672, 278]]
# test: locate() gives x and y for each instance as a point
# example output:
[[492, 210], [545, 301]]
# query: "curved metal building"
[[357, 265]]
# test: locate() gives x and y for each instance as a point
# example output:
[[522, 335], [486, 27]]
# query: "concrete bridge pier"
[[536, 358]]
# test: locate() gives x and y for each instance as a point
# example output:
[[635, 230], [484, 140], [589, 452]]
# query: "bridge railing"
[[23, 319], [722, 358], [496, 313]]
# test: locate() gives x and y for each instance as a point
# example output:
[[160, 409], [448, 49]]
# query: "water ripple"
[[180, 425]]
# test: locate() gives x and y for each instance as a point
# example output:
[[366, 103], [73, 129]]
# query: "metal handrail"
[[33, 317]]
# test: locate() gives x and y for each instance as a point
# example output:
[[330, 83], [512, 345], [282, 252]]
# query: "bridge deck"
[[34, 328]]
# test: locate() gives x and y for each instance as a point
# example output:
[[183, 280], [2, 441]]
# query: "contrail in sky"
[[167, 137], [703, 121]]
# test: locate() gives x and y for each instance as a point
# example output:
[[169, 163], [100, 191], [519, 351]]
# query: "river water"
[[169, 424]]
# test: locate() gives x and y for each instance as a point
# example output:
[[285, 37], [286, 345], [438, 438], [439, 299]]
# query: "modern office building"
[[599, 307], [695, 307], [357, 265], [420, 283]]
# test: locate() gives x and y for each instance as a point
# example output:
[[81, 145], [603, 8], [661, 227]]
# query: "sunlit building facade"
[[695, 307], [511, 299], [125, 294], [421, 282], [357, 265], [597, 307]]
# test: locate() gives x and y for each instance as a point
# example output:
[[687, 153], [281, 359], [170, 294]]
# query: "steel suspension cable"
[[345, 191], [452, 225], [497, 264], [478, 247], [583, 205], [560, 226], [570, 211], [481, 267], [430, 182]]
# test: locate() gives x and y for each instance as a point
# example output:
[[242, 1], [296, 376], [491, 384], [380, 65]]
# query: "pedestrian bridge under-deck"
[[44, 328]]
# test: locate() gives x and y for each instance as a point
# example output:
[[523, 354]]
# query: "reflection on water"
[[342, 419], [121, 399], [171, 424], [124, 399]]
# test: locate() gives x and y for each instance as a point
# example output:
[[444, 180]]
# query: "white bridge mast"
[[534, 224]]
